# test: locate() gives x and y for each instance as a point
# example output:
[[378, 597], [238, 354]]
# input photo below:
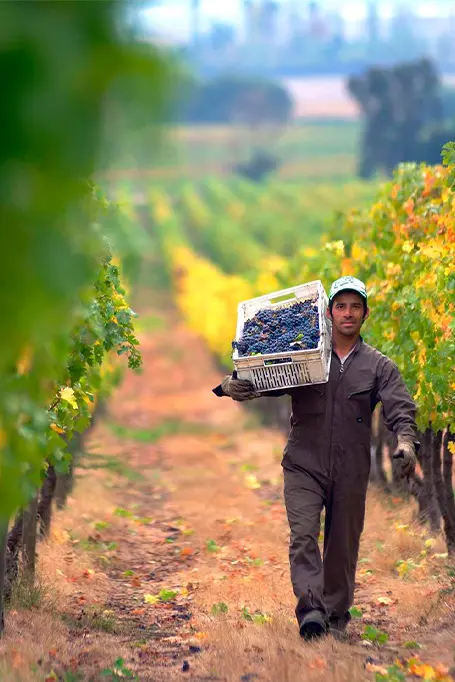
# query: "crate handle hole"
[[278, 361], [280, 299]]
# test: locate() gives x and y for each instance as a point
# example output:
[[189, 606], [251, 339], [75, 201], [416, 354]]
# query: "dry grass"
[[275, 652], [223, 483], [38, 635]]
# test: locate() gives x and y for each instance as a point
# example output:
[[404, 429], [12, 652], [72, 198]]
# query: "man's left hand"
[[405, 458]]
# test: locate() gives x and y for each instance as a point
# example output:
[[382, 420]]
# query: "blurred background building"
[[301, 37]]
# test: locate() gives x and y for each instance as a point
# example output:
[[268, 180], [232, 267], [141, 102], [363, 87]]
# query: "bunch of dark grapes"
[[280, 330]]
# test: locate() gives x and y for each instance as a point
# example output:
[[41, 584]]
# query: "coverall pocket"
[[361, 404]]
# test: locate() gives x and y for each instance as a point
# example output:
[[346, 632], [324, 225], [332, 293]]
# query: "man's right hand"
[[404, 458], [238, 389]]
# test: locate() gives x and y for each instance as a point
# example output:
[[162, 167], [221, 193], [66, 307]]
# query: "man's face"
[[348, 313]]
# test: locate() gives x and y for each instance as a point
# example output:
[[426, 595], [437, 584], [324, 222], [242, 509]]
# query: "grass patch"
[[26, 595], [171, 427], [92, 543], [118, 670], [93, 460], [93, 620]]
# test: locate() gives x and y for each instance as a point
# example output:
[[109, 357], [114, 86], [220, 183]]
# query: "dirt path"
[[172, 553], [226, 488]]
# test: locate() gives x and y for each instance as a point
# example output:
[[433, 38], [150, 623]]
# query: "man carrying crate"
[[326, 461]]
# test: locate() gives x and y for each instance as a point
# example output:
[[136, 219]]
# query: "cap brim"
[[345, 289]]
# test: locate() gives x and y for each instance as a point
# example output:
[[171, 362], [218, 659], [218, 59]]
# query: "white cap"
[[347, 284]]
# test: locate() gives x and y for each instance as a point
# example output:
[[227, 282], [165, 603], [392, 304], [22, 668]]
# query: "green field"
[[311, 151]]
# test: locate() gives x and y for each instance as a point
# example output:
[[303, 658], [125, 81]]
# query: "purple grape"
[[280, 330]]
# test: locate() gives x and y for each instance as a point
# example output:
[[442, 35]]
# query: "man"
[[326, 461]]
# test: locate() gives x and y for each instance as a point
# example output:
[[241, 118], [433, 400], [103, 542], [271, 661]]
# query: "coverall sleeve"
[[398, 407]]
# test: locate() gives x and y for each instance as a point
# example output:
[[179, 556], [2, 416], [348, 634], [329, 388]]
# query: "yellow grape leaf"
[[427, 672], [67, 394], [25, 361], [384, 601], [451, 447], [151, 599], [252, 482], [403, 569], [57, 429], [408, 246]]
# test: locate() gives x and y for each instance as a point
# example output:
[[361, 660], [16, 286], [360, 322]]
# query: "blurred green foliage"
[[65, 67]]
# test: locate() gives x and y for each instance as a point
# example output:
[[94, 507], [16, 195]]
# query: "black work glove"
[[238, 389], [404, 458]]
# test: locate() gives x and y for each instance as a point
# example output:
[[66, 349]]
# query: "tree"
[[398, 105]]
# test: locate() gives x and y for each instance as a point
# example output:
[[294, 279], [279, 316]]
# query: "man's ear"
[[367, 314], [328, 314]]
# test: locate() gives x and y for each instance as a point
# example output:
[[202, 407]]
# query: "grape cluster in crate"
[[280, 330]]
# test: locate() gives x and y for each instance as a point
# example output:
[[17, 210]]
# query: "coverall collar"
[[352, 352]]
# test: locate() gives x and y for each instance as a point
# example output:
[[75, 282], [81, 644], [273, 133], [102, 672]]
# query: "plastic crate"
[[295, 368]]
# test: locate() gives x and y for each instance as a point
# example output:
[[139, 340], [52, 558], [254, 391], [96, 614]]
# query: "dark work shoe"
[[312, 625], [337, 626]]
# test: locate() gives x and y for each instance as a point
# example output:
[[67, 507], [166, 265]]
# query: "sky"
[[171, 18]]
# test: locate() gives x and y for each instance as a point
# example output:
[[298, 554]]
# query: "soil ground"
[[171, 554]]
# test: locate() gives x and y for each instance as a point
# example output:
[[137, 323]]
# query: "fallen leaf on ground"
[[384, 601], [423, 670], [52, 677], [318, 664], [401, 526], [151, 599], [17, 659], [252, 482]]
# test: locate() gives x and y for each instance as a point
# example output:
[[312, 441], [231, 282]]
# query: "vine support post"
[[65, 482], [442, 472], [29, 539], [3, 555], [45, 502], [429, 491]]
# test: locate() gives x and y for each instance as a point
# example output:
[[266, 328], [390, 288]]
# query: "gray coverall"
[[326, 463]]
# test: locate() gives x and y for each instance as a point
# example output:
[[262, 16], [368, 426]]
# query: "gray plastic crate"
[[296, 368]]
